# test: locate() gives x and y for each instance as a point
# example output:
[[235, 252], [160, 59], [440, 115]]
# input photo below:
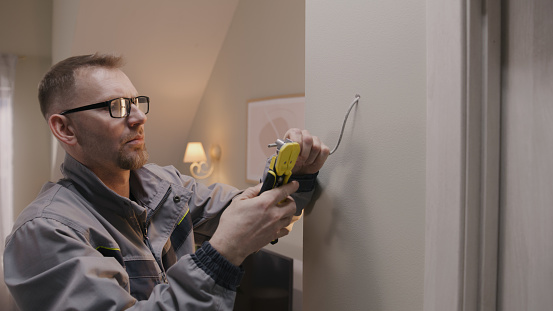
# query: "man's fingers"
[[314, 152], [282, 233], [294, 134], [251, 192], [281, 193], [288, 225], [304, 138]]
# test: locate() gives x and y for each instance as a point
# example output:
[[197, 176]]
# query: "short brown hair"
[[58, 84]]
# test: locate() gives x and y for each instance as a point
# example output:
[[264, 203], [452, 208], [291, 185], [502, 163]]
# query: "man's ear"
[[62, 128]]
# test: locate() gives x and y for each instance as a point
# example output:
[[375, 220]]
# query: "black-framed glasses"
[[118, 107]]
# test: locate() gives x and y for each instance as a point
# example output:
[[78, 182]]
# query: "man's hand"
[[313, 152], [251, 222]]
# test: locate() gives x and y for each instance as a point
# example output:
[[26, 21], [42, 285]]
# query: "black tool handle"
[[269, 182]]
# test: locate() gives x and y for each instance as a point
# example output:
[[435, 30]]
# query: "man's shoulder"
[[55, 201], [48, 194], [168, 173]]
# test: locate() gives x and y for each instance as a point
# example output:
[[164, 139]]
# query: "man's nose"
[[136, 116]]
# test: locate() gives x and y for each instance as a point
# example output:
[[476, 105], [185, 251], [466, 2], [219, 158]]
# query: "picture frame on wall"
[[268, 120]]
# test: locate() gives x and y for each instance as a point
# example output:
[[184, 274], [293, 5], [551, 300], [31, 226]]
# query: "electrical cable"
[[355, 101]]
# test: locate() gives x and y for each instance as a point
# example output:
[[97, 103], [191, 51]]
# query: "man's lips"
[[136, 140]]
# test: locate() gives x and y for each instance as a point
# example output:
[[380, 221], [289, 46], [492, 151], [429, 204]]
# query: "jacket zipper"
[[147, 239], [158, 260]]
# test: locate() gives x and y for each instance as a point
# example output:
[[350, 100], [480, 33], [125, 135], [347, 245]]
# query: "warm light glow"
[[194, 153]]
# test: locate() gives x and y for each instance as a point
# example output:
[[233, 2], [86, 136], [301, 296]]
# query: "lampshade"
[[194, 153]]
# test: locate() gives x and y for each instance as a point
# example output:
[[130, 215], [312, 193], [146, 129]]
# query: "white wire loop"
[[355, 101]]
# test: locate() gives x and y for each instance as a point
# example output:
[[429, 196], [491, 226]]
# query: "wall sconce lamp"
[[195, 154]]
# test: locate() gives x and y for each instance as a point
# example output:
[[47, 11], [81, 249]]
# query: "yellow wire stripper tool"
[[280, 168]]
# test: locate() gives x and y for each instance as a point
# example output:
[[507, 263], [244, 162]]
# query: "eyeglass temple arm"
[[89, 107]]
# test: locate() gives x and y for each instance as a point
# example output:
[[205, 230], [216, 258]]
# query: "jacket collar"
[[147, 189]]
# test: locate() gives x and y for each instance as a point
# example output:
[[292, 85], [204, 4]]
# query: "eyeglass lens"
[[120, 107]]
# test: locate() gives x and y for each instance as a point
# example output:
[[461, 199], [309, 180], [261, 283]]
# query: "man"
[[117, 233]]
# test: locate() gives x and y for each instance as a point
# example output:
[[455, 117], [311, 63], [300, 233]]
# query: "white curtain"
[[7, 77]]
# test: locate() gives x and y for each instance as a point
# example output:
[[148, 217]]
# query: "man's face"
[[107, 143]]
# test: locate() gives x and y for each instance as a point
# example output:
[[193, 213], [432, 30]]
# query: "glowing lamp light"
[[195, 154]]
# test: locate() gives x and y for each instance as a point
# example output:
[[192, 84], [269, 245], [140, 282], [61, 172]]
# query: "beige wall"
[[262, 56], [364, 237], [25, 30]]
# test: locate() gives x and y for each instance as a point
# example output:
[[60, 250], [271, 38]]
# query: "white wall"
[[364, 236]]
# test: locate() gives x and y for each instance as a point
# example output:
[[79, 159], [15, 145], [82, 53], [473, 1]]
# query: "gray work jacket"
[[81, 246]]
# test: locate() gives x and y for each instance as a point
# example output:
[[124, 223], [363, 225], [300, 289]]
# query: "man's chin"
[[133, 160]]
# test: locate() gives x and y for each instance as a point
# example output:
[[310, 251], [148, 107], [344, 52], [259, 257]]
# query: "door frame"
[[463, 154]]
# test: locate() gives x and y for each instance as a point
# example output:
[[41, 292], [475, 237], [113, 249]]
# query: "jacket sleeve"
[[50, 266], [206, 206]]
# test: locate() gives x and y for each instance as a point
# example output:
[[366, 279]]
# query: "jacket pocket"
[[143, 276]]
